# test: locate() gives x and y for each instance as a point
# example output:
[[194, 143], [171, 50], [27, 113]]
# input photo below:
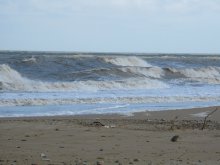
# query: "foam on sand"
[[201, 114]]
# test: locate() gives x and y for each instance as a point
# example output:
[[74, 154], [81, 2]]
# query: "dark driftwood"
[[97, 124], [204, 122]]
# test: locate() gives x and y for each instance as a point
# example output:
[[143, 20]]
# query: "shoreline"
[[137, 115], [144, 138]]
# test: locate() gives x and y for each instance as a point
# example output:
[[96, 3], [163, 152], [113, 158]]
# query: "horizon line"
[[109, 52]]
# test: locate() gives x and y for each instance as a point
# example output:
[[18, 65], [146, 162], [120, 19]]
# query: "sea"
[[74, 83]]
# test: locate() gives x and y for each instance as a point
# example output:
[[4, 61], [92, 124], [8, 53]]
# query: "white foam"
[[209, 72], [126, 61], [211, 57], [102, 100], [30, 60], [209, 75], [10, 79], [201, 114], [154, 72]]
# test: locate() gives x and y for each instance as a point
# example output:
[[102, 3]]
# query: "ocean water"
[[52, 83]]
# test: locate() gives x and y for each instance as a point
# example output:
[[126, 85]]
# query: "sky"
[[143, 26]]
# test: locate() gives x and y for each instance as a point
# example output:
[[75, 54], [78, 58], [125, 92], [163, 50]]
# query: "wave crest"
[[31, 60], [10, 79], [126, 61], [210, 75], [153, 72]]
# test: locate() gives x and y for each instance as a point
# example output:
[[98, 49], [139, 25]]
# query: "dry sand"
[[144, 138]]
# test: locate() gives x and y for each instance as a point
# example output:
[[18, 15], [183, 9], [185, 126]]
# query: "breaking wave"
[[105, 82], [210, 75], [126, 61], [10, 79], [137, 78], [30, 60], [153, 72]]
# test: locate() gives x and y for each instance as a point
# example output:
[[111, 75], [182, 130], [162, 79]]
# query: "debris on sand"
[[174, 138], [110, 126], [44, 157], [97, 124], [100, 162]]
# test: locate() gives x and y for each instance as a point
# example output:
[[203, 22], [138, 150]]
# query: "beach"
[[117, 82], [141, 138]]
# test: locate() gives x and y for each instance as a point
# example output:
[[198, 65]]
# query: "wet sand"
[[144, 138]]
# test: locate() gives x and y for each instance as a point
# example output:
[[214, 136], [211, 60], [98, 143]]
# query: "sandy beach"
[[144, 138]]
